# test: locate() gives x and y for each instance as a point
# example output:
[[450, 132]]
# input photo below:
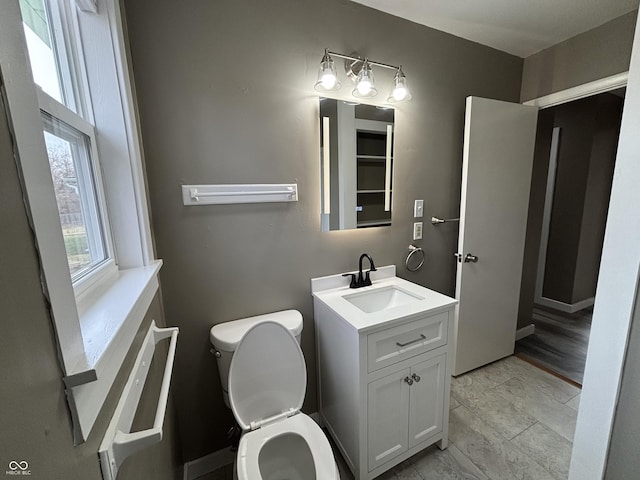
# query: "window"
[[82, 173], [75, 184], [70, 141], [42, 54]]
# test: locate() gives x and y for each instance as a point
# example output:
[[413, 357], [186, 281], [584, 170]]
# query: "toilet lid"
[[267, 376]]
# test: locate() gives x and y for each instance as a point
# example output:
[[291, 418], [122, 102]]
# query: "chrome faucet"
[[362, 280]]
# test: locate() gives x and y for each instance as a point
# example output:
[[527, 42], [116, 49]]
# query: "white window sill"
[[109, 325]]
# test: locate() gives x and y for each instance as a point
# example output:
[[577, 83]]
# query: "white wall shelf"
[[248, 193]]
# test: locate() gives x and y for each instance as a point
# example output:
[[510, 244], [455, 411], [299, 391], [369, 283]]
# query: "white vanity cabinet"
[[384, 376], [402, 415]]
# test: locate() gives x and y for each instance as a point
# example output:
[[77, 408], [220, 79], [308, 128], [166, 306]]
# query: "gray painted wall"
[[586, 158], [577, 121], [598, 192], [226, 95], [34, 418], [595, 54]]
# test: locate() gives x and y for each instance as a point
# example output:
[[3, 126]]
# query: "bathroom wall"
[[226, 95], [592, 55], [35, 424]]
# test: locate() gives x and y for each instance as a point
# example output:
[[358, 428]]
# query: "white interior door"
[[496, 177]]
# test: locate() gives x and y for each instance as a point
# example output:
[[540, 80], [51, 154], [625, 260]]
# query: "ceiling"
[[519, 27]]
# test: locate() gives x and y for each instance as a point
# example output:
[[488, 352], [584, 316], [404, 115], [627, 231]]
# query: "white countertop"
[[331, 290]]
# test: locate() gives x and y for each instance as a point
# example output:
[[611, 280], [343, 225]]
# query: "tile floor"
[[509, 420]]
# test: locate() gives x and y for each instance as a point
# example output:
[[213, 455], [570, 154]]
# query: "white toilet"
[[267, 380]]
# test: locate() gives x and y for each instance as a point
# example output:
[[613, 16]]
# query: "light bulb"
[[364, 87], [399, 93], [328, 80], [327, 77]]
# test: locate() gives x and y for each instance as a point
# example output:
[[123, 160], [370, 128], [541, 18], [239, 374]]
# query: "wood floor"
[[509, 420], [559, 342]]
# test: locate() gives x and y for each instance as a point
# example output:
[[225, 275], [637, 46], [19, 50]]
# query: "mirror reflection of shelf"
[[371, 156], [370, 209], [356, 145]]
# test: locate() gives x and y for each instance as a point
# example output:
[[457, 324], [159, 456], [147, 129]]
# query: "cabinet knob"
[[408, 380], [416, 377]]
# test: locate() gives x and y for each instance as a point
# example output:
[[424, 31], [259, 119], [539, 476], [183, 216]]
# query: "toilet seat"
[[267, 376], [252, 443], [267, 384]]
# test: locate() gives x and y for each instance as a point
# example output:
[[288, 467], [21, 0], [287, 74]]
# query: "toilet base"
[[234, 435]]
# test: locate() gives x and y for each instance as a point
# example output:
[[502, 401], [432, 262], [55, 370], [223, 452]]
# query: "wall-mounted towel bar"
[[119, 442], [436, 220], [250, 193]]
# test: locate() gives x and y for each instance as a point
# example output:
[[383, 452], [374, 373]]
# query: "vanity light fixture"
[[400, 91], [365, 85], [360, 72], [327, 77]]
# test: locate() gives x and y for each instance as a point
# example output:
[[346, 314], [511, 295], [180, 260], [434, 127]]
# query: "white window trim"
[[105, 271], [120, 304], [71, 85]]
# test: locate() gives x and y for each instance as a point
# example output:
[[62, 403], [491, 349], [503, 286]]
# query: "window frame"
[[106, 269], [118, 302]]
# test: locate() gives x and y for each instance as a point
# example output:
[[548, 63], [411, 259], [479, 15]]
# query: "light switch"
[[418, 208], [417, 231]]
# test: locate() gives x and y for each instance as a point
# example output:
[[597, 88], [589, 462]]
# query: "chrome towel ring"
[[413, 250]]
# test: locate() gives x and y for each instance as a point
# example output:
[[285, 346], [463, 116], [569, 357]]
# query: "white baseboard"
[[525, 331], [565, 307], [215, 460], [209, 463]]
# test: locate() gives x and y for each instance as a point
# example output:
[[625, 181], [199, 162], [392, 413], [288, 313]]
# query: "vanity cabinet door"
[[388, 414], [426, 402]]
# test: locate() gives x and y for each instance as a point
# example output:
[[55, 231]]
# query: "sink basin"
[[383, 304], [381, 298]]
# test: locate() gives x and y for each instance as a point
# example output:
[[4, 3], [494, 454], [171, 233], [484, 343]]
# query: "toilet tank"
[[226, 336]]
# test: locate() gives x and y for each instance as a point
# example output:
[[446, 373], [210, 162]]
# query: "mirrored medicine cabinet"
[[356, 163]]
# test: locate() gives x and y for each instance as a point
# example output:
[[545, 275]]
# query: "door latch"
[[470, 258]]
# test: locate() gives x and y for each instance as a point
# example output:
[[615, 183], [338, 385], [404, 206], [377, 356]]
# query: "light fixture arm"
[[358, 59]]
